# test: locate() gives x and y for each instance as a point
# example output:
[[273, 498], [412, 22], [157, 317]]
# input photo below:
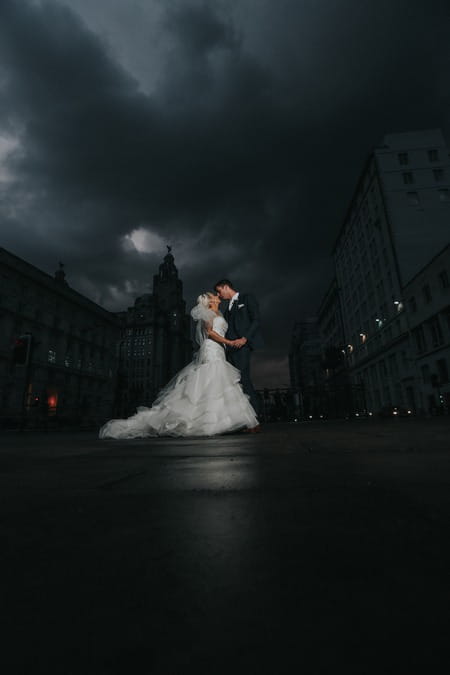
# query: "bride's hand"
[[240, 342]]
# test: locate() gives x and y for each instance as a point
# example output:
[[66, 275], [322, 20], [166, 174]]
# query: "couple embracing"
[[213, 394]]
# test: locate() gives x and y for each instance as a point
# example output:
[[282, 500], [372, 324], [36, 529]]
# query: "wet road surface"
[[306, 548]]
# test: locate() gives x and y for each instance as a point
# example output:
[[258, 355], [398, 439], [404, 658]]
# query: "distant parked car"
[[395, 411]]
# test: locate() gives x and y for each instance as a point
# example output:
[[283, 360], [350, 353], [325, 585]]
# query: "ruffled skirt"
[[203, 399]]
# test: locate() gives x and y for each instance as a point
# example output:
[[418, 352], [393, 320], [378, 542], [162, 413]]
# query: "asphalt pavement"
[[306, 548]]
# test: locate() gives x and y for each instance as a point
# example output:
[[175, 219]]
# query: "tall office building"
[[331, 330], [428, 305], [398, 219], [305, 355]]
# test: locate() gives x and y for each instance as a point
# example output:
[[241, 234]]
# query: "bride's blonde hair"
[[204, 299]]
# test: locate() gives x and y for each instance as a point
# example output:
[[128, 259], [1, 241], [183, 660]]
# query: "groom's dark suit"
[[243, 321]]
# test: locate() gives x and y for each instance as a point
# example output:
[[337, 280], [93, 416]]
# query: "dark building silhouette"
[[424, 368], [305, 364], [397, 222], [155, 340], [66, 360], [58, 349], [305, 354], [384, 321]]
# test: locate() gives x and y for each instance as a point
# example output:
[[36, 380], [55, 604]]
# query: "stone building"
[[305, 354], [155, 341], [69, 374], [383, 321], [331, 333], [305, 364], [339, 396], [427, 298], [397, 221]]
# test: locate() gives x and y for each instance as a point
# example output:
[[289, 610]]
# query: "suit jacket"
[[243, 320]]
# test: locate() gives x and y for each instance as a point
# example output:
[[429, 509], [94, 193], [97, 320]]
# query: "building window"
[[443, 279], [408, 178], [403, 158], [426, 290], [412, 304], [442, 369], [447, 317], [433, 155], [413, 198], [425, 370], [51, 356], [419, 337], [436, 332], [438, 175], [444, 195]]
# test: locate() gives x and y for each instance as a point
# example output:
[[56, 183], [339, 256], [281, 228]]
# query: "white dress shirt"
[[233, 300]]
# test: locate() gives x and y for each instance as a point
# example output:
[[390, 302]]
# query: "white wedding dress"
[[204, 399]]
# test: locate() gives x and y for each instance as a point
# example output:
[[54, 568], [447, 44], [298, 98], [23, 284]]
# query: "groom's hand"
[[240, 342]]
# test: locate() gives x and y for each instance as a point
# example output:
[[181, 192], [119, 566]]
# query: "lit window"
[[51, 356]]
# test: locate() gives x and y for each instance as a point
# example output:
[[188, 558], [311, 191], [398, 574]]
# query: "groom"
[[242, 315]]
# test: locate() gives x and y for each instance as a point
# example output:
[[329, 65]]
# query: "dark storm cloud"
[[243, 154]]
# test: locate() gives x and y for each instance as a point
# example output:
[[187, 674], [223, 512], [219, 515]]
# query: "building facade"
[[305, 365], [305, 357], [383, 322], [68, 369], [81, 364], [155, 341], [398, 220], [427, 298], [331, 333]]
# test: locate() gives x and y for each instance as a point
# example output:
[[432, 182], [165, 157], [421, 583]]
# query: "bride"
[[204, 398]]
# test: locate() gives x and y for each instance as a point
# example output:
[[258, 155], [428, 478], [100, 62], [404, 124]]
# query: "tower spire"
[[167, 269]]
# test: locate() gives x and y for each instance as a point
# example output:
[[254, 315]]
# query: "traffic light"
[[21, 350]]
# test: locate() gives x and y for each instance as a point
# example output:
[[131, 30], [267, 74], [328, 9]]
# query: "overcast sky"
[[234, 131]]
